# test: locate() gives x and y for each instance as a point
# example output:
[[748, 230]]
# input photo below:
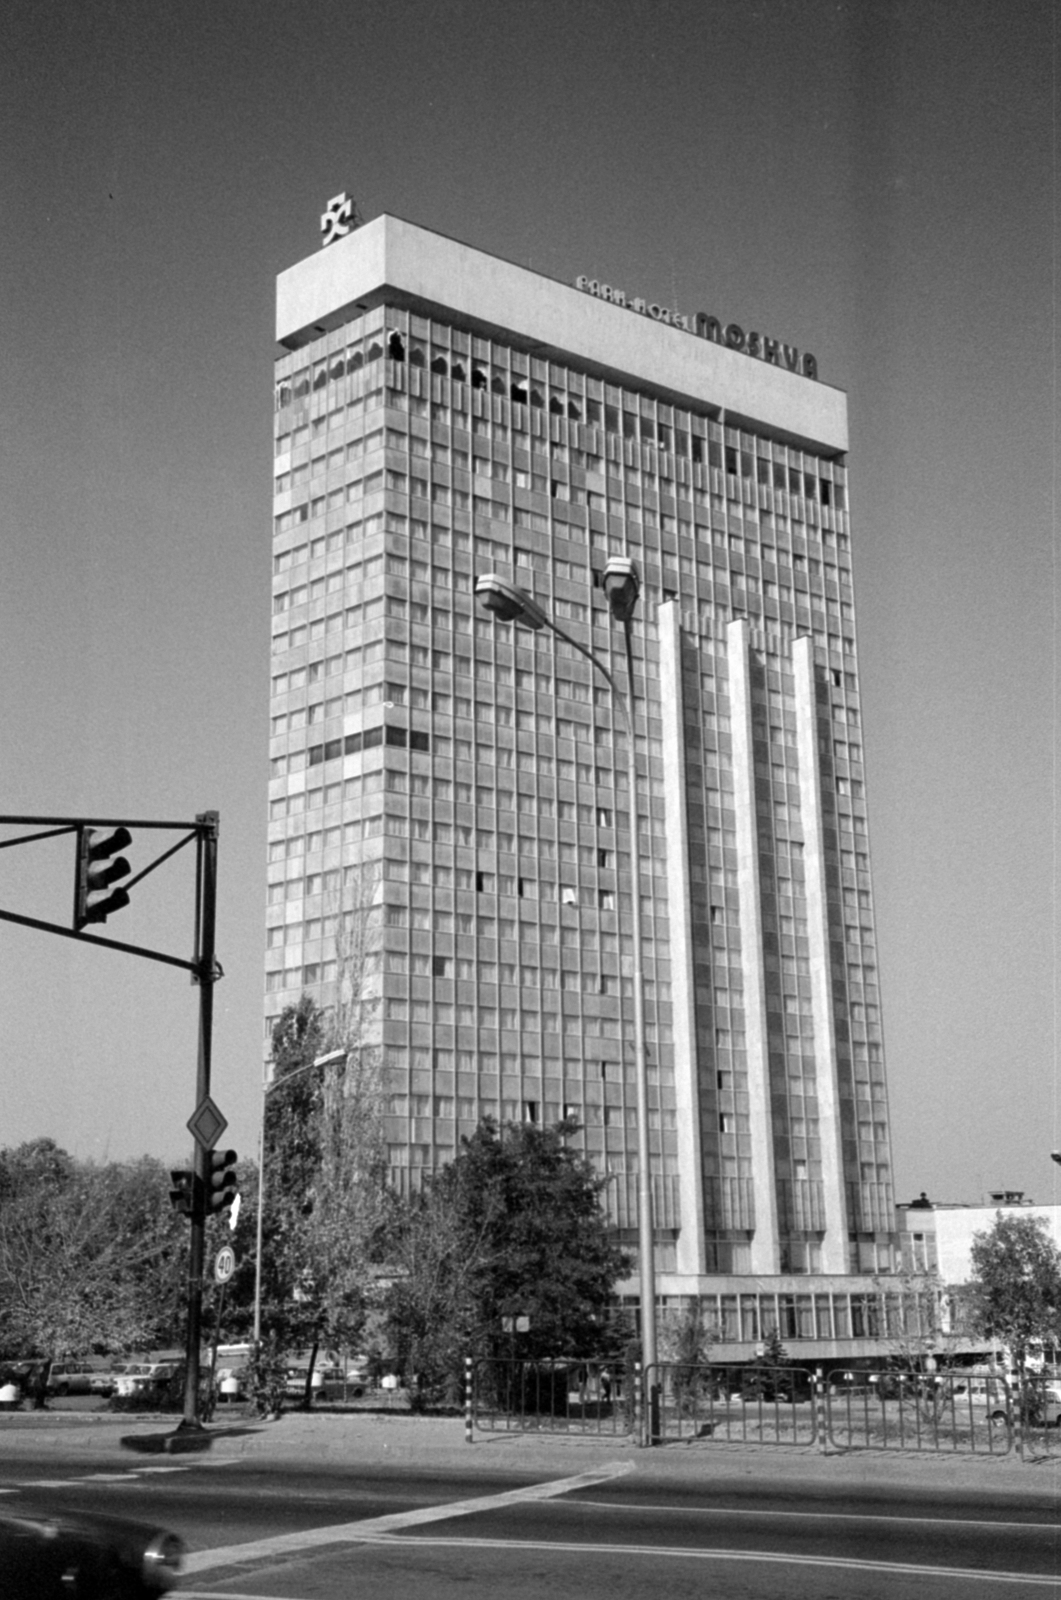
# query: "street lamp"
[[507, 602], [268, 1085]]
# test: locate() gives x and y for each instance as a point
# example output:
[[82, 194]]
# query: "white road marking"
[[657, 1553], [129, 1476], [374, 1527], [386, 1530], [844, 1563], [816, 1516]]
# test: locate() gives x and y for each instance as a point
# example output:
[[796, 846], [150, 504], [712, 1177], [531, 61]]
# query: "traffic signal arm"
[[97, 889]]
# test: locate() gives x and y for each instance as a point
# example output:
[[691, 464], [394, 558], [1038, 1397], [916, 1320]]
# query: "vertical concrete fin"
[[765, 1252], [679, 905], [835, 1242]]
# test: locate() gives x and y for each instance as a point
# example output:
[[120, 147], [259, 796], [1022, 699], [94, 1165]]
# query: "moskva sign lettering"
[[773, 351]]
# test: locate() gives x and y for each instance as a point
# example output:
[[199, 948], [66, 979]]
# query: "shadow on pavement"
[[180, 1442]]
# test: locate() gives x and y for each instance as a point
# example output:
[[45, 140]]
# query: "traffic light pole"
[[91, 905], [206, 976]]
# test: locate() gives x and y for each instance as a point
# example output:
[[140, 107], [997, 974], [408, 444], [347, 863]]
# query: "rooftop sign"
[[338, 219], [733, 336], [390, 261]]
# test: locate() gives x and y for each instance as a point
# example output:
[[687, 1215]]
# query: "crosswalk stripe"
[[372, 1527]]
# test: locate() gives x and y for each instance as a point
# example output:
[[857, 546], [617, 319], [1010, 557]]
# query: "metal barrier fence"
[[956, 1412], [960, 1411], [945, 1413], [736, 1404], [562, 1396]]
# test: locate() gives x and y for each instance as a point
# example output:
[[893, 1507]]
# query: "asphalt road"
[[301, 1531]]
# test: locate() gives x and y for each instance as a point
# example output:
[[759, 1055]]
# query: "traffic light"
[[221, 1182], [182, 1194], [94, 898]]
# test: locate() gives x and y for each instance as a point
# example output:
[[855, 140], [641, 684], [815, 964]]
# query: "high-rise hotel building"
[[448, 839]]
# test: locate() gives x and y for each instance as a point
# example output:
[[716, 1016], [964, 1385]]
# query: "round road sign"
[[224, 1264]]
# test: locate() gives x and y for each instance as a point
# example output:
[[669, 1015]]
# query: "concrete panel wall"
[[388, 253], [955, 1229]]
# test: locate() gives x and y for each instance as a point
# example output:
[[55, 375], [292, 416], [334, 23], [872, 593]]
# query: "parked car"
[[1040, 1404], [145, 1379], [82, 1557], [354, 1380], [70, 1379], [849, 1383], [971, 1396], [296, 1381]]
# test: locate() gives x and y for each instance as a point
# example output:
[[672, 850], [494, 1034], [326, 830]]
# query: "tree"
[[769, 1376], [513, 1228], [326, 1169], [431, 1306], [350, 1199], [686, 1337], [1016, 1284], [914, 1315], [686, 1340], [92, 1257], [914, 1306]]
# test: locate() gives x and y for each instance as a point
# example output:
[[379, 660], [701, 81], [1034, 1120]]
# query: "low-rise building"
[[936, 1240]]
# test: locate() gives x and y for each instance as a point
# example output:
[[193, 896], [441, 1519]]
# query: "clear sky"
[[872, 181]]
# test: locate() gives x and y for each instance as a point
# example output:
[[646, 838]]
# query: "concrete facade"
[[939, 1237], [448, 796], [392, 261]]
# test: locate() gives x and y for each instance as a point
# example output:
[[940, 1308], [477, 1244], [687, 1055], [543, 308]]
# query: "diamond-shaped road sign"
[[206, 1124]]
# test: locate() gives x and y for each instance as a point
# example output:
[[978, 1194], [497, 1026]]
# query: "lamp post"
[[268, 1085], [507, 602]]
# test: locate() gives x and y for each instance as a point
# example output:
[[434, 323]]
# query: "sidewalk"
[[438, 1443]]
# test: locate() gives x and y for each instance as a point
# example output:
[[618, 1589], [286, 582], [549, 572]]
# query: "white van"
[[989, 1392], [1048, 1392], [998, 1396]]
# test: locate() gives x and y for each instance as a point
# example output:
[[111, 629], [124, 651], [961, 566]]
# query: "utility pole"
[[206, 975]]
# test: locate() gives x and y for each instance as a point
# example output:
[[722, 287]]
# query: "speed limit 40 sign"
[[224, 1264]]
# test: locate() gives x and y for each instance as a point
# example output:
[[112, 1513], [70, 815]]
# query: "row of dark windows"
[[632, 425], [396, 737], [302, 384]]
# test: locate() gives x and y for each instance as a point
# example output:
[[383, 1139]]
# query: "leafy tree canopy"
[[325, 1170], [1016, 1283], [292, 1131], [512, 1228], [91, 1256]]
